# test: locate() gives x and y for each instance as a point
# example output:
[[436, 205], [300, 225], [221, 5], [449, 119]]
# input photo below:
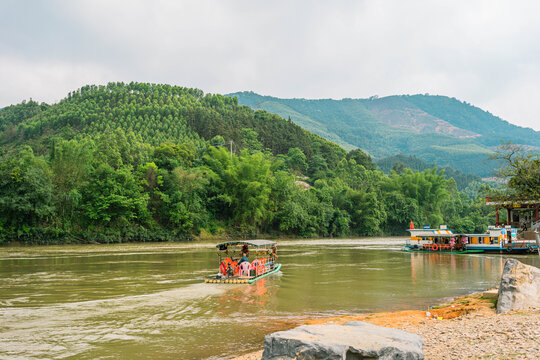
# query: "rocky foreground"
[[481, 336], [467, 328]]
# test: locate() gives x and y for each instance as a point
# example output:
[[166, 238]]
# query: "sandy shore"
[[466, 328]]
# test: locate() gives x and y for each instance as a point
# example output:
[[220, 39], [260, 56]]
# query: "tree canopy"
[[146, 162]]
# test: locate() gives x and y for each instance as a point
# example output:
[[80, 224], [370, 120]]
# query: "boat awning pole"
[[537, 241]]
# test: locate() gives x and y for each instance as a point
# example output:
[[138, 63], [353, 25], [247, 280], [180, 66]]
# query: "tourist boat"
[[443, 239], [495, 240], [244, 262], [500, 239]]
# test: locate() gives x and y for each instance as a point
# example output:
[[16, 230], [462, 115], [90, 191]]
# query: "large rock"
[[353, 340], [520, 287]]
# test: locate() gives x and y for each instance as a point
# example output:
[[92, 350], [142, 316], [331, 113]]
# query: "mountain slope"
[[434, 128], [155, 114]]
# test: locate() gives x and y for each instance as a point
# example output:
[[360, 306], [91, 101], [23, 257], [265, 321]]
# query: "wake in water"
[[69, 329]]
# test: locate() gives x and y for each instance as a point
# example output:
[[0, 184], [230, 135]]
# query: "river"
[[139, 301]]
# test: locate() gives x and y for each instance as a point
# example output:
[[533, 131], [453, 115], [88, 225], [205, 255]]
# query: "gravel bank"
[[482, 336], [467, 328]]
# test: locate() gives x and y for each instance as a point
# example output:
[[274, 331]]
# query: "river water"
[[139, 301]]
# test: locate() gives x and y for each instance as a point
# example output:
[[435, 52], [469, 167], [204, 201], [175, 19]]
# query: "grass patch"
[[490, 298]]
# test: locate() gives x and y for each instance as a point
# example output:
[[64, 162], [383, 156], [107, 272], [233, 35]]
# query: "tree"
[[296, 160], [25, 191], [317, 167], [250, 140], [183, 201], [217, 141], [170, 156], [361, 158], [522, 170], [399, 167], [249, 182], [114, 197], [427, 189], [70, 162], [240, 188]]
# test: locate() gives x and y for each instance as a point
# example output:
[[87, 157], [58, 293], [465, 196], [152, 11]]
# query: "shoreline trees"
[[144, 162]]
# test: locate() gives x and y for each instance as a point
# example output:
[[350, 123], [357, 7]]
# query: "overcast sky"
[[484, 52]]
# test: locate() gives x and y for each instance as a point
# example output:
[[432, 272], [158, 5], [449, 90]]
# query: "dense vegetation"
[[437, 129], [145, 162], [464, 182]]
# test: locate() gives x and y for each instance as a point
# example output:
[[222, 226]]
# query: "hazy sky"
[[483, 52]]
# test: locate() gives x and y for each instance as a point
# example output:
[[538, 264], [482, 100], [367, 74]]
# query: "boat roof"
[[431, 232], [254, 243]]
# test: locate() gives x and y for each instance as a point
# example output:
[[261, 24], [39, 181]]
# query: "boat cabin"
[[428, 239], [494, 235]]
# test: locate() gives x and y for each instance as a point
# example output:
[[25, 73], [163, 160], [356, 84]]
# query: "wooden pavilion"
[[521, 214]]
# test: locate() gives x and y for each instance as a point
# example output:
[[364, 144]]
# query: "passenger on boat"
[[244, 258], [459, 243]]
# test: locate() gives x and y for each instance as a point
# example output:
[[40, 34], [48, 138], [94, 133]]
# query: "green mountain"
[[436, 129], [147, 162], [154, 114], [150, 162]]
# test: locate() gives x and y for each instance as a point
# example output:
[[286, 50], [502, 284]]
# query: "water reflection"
[[477, 266], [242, 296]]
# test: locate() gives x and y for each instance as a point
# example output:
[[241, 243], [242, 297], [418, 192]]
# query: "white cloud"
[[483, 52], [46, 81]]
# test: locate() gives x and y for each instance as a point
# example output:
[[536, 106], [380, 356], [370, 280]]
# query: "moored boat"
[[443, 239], [235, 266], [500, 239], [494, 240]]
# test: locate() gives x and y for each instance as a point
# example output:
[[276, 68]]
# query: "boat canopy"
[[432, 232], [254, 243]]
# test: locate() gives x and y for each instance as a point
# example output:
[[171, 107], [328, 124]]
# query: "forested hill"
[[146, 162], [435, 128], [155, 114]]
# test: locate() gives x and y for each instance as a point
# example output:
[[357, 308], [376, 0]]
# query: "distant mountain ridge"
[[437, 129]]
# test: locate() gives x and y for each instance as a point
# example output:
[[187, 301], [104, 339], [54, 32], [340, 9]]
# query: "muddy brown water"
[[140, 301]]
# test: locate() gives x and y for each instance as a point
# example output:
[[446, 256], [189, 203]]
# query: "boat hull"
[[506, 249], [421, 250], [273, 271], [480, 248]]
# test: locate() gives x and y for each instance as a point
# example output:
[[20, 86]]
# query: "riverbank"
[[466, 328]]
